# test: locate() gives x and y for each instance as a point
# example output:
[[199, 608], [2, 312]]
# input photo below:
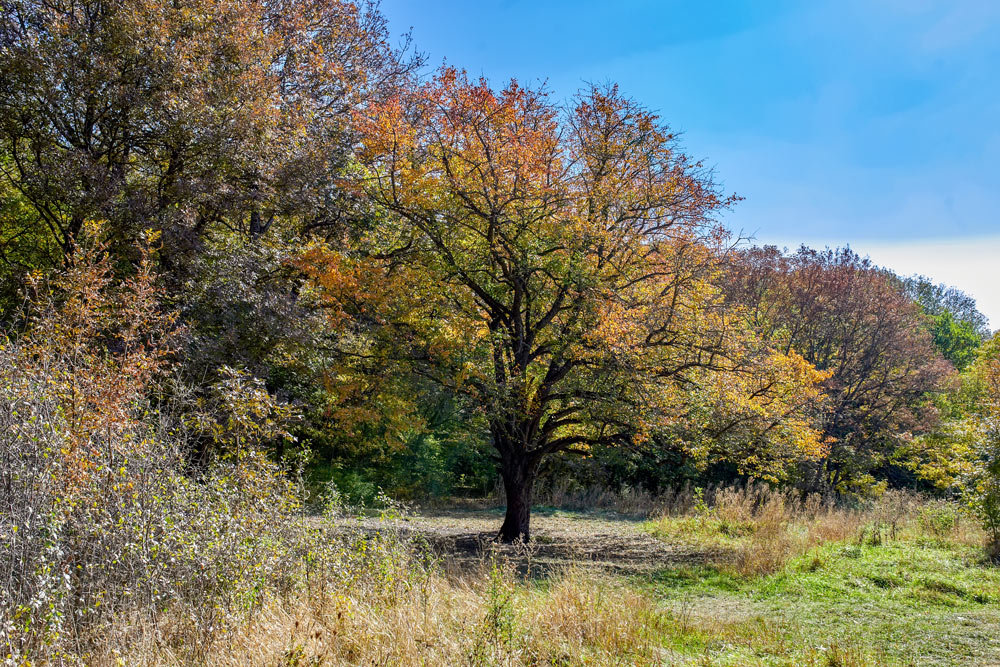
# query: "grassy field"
[[751, 578], [902, 583], [904, 602]]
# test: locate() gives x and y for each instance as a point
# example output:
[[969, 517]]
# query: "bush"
[[114, 529], [96, 560], [938, 519], [104, 525]]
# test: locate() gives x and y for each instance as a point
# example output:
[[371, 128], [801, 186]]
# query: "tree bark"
[[518, 480]]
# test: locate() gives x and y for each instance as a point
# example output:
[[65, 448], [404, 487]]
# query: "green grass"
[[913, 601]]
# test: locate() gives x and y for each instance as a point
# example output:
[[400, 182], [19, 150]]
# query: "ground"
[[603, 541], [911, 601]]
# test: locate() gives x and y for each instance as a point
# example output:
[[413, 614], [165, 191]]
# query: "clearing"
[[913, 600]]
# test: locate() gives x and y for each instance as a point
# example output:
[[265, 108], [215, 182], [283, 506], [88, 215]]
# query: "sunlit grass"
[[895, 587]]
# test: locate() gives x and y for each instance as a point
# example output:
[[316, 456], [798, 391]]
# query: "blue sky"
[[872, 123]]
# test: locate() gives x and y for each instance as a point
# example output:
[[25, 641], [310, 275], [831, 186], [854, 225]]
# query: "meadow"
[[746, 577]]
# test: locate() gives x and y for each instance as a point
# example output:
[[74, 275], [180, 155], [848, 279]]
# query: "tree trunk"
[[256, 229], [518, 480]]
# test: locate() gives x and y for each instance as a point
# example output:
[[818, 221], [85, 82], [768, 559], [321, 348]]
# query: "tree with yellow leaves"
[[554, 266]]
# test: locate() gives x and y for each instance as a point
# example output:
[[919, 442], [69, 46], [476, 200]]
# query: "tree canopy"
[[553, 265]]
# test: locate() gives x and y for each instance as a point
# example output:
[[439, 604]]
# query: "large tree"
[[189, 117], [225, 125], [552, 265]]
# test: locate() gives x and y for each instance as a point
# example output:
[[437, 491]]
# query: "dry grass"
[[376, 603], [760, 530], [489, 619], [481, 619], [586, 616], [369, 598]]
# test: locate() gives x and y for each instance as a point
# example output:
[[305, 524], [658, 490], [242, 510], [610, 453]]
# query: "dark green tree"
[[957, 326]]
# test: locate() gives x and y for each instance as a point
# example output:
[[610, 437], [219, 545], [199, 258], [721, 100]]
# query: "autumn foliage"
[[388, 275], [850, 319], [259, 266], [555, 267], [194, 118]]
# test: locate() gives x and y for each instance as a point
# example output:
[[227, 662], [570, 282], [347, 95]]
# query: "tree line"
[[411, 279]]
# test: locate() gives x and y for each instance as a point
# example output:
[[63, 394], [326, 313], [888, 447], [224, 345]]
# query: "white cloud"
[[972, 265]]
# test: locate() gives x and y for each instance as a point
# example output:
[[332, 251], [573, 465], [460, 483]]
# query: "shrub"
[[938, 519], [104, 525]]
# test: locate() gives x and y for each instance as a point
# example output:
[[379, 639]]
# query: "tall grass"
[[566, 495], [377, 604], [758, 529]]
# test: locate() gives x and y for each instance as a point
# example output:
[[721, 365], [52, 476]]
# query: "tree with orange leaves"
[[553, 266], [100, 343]]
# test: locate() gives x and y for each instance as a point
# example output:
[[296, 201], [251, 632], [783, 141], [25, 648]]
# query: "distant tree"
[[846, 316], [939, 298], [944, 456], [555, 269], [956, 324], [973, 441], [957, 341]]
